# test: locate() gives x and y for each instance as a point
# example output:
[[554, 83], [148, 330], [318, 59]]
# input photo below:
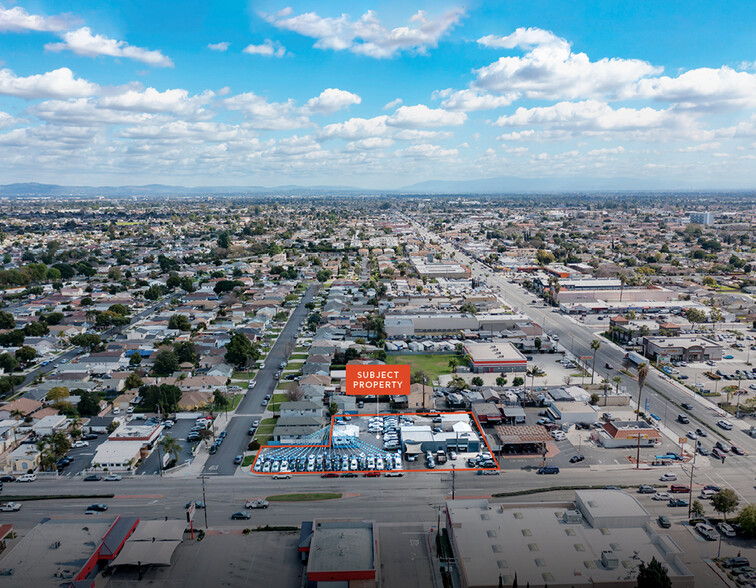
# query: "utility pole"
[[160, 457], [204, 500], [690, 494], [453, 479]]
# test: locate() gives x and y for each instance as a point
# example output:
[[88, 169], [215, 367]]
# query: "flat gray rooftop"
[[341, 547], [53, 552]]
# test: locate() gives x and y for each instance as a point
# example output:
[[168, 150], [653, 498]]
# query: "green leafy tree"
[[725, 502], [469, 308], [501, 381], [186, 352], [697, 508], [653, 575], [135, 359], [323, 275], [8, 362], [224, 286], [133, 381], [165, 397], [57, 394], [7, 320], [119, 309], [224, 240], [333, 409], [186, 284], [747, 519], [154, 292], [240, 350], [166, 362], [220, 401], [25, 354], [518, 381], [179, 322], [477, 381], [89, 403], [86, 340], [36, 329]]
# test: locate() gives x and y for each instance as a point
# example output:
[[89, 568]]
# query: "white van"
[[27, 478]]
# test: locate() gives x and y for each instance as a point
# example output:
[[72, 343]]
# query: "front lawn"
[[432, 364]]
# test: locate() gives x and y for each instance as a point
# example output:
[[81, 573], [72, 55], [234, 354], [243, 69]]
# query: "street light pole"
[[204, 500]]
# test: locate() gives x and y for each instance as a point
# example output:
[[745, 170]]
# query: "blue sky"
[[377, 95]]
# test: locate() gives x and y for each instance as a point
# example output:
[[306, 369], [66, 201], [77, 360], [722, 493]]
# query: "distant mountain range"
[[498, 185]]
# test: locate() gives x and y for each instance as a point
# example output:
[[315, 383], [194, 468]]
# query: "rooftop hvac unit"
[[573, 516], [609, 559]]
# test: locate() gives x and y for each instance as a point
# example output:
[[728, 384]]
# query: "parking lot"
[[179, 431]]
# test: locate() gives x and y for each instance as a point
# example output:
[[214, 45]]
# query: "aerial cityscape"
[[377, 295]]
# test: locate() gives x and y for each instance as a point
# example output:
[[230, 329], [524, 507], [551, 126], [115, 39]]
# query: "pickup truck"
[[10, 506], [256, 503]]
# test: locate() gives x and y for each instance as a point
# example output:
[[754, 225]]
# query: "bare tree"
[[295, 393]]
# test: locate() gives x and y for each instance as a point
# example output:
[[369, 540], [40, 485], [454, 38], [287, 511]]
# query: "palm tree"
[[642, 373], [170, 445], [622, 277], [617, 380], [17, 414], [595, 346]]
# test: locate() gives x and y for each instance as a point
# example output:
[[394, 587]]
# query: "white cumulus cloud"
[[471, 100], [550, 70], [267, 48], [262, 114], [356, 128], [221, 47], [83, 42], [420, 116], [59, 83], [332, 100], [366, 35], [16, 19]]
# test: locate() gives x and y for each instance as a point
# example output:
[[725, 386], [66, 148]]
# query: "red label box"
[[377, 380]]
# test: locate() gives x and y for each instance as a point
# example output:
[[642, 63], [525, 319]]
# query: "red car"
[[679, 489], [737, 450], [329, 475], [372, 474]]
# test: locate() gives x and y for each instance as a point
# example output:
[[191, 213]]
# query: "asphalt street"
[[251, 407], [664, 395]]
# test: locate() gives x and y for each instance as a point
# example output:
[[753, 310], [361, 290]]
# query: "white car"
[[691, 435], [10, 506], [27, 478], [668, 477], [707, 531], [112, 478], [79, 444], [662, 496], [558, 435], [726, 425], [726, 529]]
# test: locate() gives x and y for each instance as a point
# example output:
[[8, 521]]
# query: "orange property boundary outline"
[[330, 444]]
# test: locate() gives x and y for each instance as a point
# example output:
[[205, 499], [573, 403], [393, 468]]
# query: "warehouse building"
[[495, 357], [600, 539]]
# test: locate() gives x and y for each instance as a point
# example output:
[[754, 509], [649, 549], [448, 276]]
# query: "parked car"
[[280, 477], [726, 529], [664, 522], [89, 436], [80, 444], [677, 502], [238, 459], [735, 562], [707, 531], [10, 506], [93, 478], [608, 366], [112, 478], [27, 478], [738, 450], [646, 489], [577, 458], [726, 425]]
